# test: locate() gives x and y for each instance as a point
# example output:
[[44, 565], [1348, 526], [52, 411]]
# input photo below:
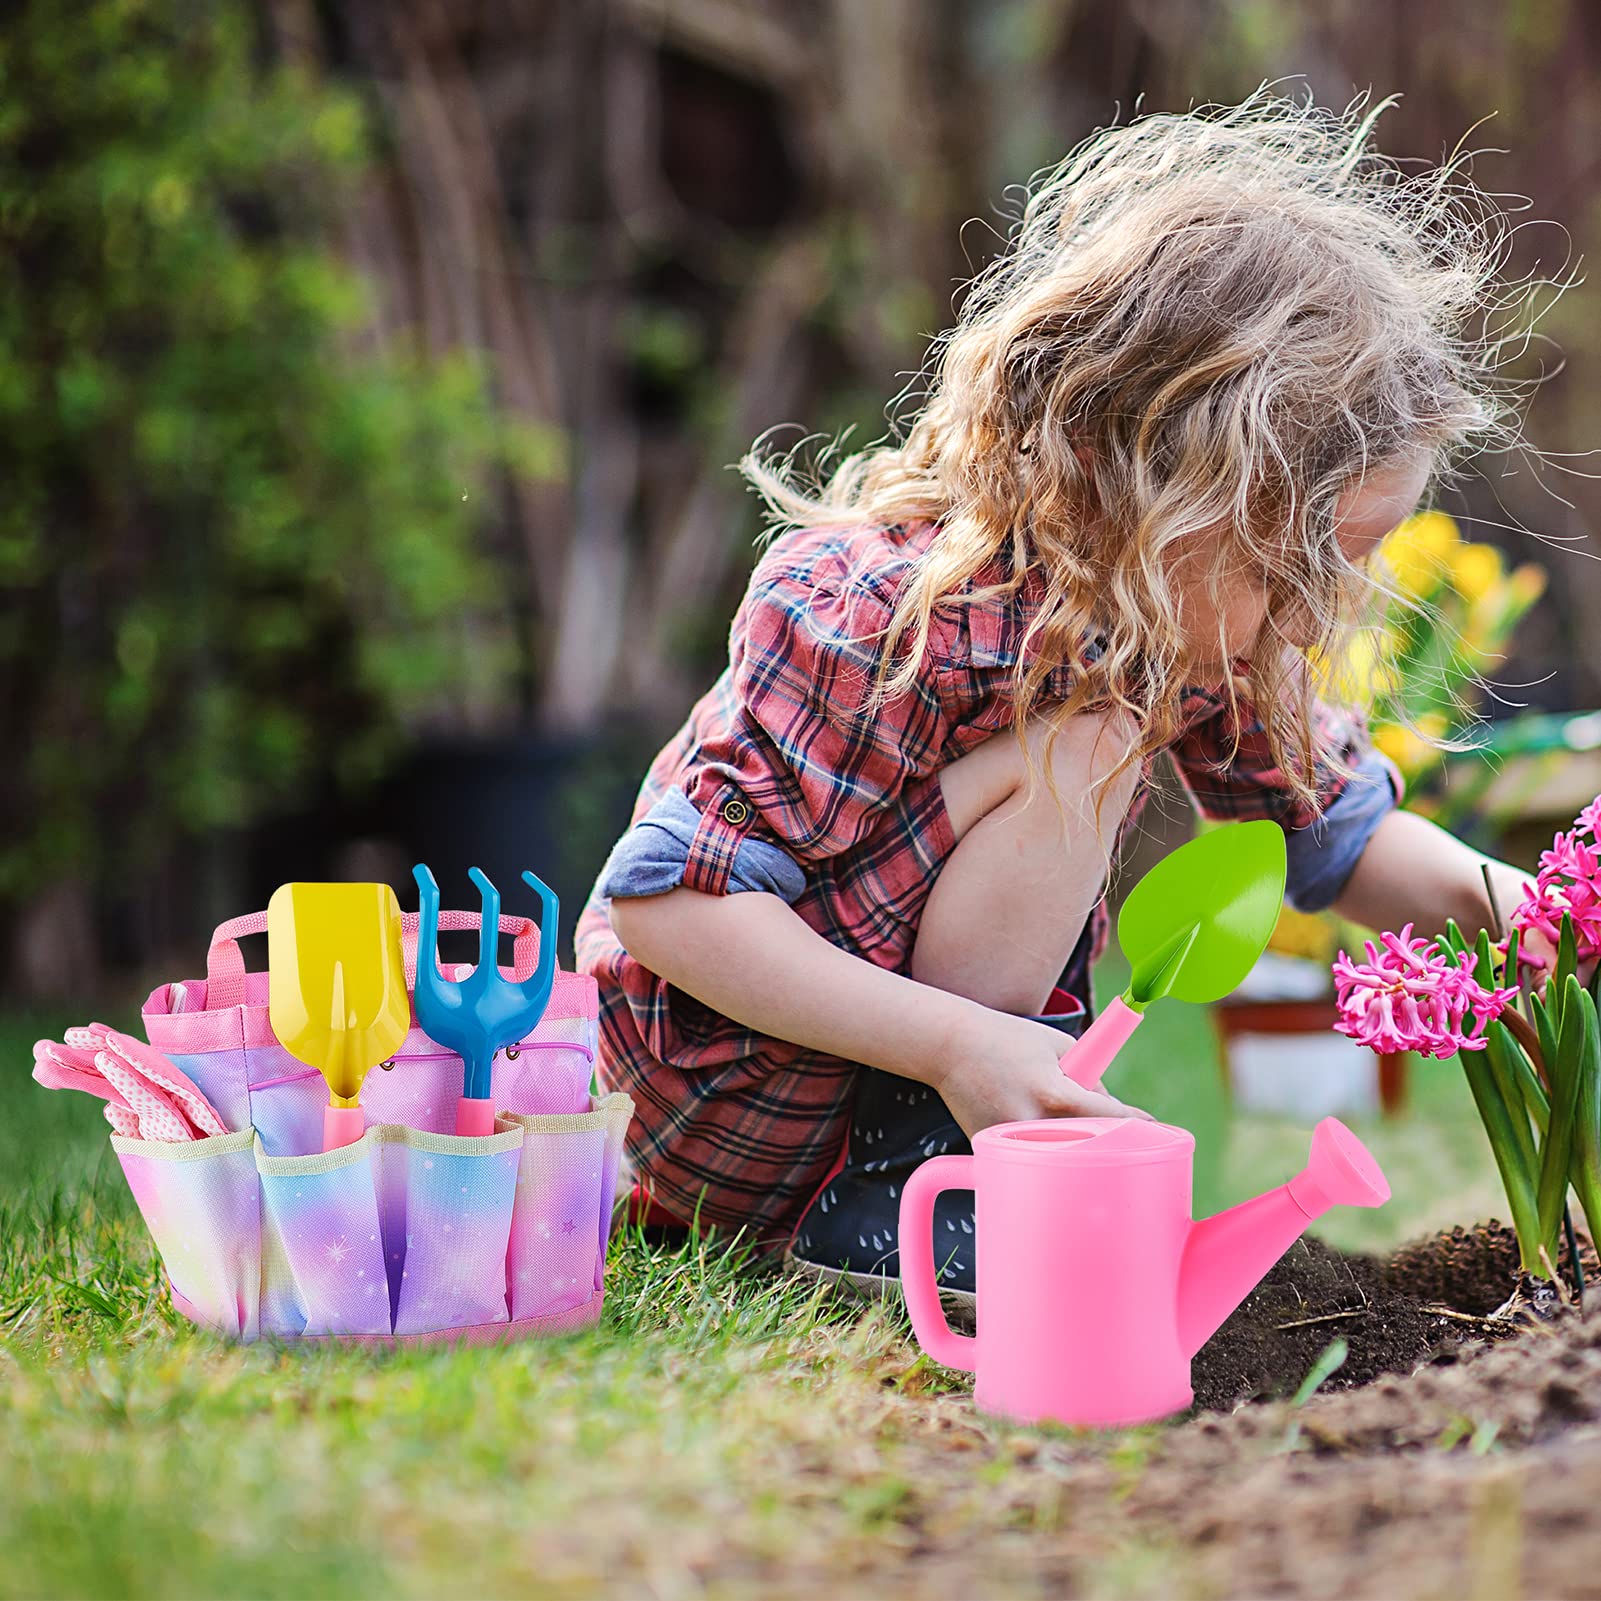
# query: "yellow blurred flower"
[[1322, 677], [1361, 674], [1419, 551], [1476, 570], [1527, 583], [1403, 747], [1310, 935], [1493, 614], [1411, 749]]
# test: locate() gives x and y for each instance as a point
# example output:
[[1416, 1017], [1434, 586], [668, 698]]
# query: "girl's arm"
[[751, 957], [1412, 871]]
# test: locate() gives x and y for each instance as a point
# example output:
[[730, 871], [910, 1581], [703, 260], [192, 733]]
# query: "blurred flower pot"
[[1281, 1056]]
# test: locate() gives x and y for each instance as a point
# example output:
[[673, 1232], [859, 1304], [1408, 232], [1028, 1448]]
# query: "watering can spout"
[[1226, 1256]]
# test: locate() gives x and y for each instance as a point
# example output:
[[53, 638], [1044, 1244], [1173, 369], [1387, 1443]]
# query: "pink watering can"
[[1095, 1288]]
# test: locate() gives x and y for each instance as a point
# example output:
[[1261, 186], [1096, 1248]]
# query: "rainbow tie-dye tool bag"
[[410, 1233]]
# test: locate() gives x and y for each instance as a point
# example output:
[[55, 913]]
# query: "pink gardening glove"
[[146, 1096], [58, 1068], [151, 1084]]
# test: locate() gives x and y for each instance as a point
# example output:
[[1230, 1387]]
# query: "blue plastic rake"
[[478, 1015]]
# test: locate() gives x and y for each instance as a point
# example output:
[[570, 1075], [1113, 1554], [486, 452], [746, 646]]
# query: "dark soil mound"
[[1312, 1296], [1472, 1269], [1398, 1315]]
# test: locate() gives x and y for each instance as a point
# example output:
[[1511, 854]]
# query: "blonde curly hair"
[[1204, 328]]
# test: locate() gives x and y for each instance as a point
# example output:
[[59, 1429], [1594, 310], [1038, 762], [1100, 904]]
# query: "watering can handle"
[[918, 1285], [225, 964]]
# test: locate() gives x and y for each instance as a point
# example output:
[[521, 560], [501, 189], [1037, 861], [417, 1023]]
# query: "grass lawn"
[[724, 1431]]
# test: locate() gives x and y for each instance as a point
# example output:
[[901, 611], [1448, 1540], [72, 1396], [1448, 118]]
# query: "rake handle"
[[475, 1118]]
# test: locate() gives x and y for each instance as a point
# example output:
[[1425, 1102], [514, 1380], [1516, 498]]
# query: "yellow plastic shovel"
[[337, 988]]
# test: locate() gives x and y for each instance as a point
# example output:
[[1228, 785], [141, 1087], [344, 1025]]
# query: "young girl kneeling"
[[856, 911]]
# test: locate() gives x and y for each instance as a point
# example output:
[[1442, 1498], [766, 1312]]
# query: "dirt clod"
[[1473, 1269]]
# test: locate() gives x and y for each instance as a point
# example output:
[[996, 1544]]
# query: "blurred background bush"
[[370, 371]]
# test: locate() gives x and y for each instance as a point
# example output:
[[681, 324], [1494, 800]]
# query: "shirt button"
[[735, 812]]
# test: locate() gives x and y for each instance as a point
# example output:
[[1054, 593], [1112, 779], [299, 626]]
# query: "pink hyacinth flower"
[[1409, 996], [1568, 884]]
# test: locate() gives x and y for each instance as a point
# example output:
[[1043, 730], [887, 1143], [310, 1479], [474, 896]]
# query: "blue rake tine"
[[489, 924], [536, 989], [479, 1014], [440, 993]]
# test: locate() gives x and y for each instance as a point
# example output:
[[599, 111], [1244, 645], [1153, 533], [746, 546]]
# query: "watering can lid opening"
[[1108, 1140]]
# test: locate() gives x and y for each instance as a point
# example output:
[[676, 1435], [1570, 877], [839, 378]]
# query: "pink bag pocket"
[[560, 1224], [403, 1234], [456, 1195], [321, 1216], [202, 1205]]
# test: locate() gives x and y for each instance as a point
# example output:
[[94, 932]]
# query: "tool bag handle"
[[225, 963]]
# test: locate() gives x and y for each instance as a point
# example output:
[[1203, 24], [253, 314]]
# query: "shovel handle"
[[1086, 1063], [342, 1125]]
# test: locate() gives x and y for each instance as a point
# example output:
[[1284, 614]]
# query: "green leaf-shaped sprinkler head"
[[1195, 925]]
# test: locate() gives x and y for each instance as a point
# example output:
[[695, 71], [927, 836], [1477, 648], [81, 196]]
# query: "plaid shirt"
[[735, 1122]]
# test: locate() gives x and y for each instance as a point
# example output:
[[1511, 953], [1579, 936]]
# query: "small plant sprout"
[[1329, 1362]]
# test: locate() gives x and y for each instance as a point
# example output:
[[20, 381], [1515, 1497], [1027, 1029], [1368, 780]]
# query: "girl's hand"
[[1538, 953], [1536, 950], [1011, 1073]]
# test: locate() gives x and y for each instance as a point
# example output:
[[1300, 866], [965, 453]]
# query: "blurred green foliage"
[[237, 531]]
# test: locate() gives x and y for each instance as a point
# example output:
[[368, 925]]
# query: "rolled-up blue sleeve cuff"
[[651, 857], [1321, 857]]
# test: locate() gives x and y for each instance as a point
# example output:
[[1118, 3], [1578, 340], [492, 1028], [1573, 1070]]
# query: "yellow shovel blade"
[[337, 979]]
